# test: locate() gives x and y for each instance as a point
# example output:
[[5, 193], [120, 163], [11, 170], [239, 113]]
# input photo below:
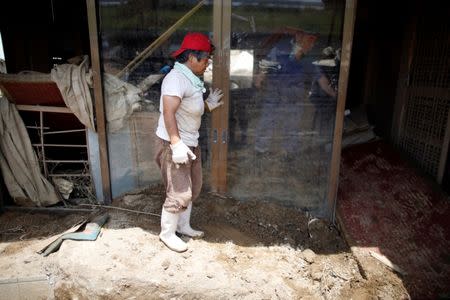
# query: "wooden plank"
[[161, 39], [99, 101], [70, 175], [349, 24], [221, 76], [41, 136], [445, 145], [65, 161], [446, 95], [64, 131], [409, 42], [59, 145], [54, 109], [36, 127], [225, 87], [216, 82]]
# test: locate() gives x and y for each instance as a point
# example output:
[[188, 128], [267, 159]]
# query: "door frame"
[[347, 42], [221, 79]]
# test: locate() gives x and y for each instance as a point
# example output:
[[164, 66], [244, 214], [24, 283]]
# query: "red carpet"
[[384, 204]]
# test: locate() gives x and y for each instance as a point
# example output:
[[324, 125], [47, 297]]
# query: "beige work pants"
[[183, 183]]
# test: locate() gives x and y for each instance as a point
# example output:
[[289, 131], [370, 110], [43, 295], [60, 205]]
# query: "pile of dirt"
[[251, 250]]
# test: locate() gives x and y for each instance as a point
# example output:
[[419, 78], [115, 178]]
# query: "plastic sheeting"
[[73, 82], [19, 164], [121, 99]]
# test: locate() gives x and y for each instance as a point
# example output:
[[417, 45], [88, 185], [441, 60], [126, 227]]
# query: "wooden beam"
[[216, 81], [444, 150], [53, 109], [65, 131], [349, 24], [225, 87], [60, 145], [41, 136], [70, 175], [36, 127], [221, 79], [161, 39], [66, 161], [99, 101], [408, 45]]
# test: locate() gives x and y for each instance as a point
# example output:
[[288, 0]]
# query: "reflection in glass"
[[137, 38], [281, 125], [284, 65]]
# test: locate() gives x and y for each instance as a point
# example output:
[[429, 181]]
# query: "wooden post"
[[99, 102], [444, 150], [221, 76], [41, 133], [408, 44], [349, 24]]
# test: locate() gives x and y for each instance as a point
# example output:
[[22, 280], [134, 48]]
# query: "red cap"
[[194, 41]]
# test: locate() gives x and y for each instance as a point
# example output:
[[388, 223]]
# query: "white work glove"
[[181, 153], [213, 101]]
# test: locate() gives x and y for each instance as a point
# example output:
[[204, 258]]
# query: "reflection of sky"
[[241, 62], [241, 68]]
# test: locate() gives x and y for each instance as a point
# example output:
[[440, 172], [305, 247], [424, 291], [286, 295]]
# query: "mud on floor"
[[251, 250]]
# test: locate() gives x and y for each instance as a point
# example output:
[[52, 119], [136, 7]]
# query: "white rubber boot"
[[167, 236], [184, 225]]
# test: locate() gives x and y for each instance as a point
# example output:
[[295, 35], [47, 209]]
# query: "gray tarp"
[[121, 98], [19, 164], [73, 82]]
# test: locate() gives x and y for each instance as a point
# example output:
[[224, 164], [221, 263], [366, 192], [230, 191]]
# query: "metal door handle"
[[215, 136]]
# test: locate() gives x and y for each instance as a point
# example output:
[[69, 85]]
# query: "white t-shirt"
[[189, 114]]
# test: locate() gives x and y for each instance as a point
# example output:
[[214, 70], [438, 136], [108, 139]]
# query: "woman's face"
[[305, 40], [199, 65]]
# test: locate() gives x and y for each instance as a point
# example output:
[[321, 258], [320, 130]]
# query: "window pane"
[[137, 38], [284, 69]]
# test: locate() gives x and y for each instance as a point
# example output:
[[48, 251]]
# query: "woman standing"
[[178, 151]]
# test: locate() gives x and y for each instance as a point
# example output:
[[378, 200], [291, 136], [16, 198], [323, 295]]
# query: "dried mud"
[[251, 250]]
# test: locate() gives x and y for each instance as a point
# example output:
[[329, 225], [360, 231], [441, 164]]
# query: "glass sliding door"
[[284, 66], [277, 63], [136, 39]]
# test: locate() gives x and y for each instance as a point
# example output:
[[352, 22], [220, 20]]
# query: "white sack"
[[121, 99]]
